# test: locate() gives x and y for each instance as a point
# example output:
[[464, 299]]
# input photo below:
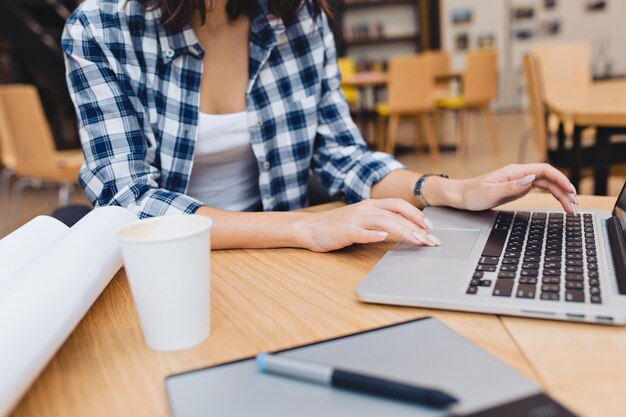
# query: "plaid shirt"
[[136, 88]]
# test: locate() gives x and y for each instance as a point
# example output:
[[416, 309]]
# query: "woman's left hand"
[[515, 181]]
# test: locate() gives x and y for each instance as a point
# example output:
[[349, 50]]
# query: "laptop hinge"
[[618, 249]]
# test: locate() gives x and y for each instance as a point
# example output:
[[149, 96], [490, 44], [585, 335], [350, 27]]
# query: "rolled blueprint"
[[43, 301]]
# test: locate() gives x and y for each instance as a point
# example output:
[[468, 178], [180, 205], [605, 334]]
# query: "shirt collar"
[[176, 43]]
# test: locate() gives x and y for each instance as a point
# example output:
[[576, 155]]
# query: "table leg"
[[602, 161], [577, 156]]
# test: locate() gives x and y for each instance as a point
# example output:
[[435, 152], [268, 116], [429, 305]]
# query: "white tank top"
[[225, 174]]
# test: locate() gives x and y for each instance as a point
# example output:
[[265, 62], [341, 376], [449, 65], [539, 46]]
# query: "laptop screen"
[[619, 212]]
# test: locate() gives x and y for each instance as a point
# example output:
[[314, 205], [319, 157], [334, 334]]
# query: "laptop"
[[532, 263]]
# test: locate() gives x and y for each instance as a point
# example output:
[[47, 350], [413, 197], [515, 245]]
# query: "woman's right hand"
[[368, 221]]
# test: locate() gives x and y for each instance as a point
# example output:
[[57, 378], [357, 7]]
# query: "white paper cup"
[[167, 261]]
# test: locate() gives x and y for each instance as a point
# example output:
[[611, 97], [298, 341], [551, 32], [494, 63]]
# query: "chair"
[[563, 65], [347, 68], [479, 89], [441, 66], [27, 147], [410, 91]]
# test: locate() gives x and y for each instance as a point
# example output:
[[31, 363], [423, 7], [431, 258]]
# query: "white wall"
[[602, 30]]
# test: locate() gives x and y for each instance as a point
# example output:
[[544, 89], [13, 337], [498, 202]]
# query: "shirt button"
[[259, 123], [266, 165], [170, 53]]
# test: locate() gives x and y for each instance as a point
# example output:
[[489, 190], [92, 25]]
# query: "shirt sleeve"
[[119, 167], [341, 158]]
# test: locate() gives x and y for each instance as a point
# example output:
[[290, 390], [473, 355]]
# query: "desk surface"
[[263, 300], [601, 104]]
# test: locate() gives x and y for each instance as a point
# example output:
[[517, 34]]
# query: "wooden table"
[[263, 300], [602, 105]]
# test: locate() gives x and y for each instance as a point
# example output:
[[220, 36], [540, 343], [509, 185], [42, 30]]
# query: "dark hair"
[[178, 13]]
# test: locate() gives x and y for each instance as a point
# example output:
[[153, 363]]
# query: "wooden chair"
[[563, 66], [441, 66], [410, 92], [347, 68], [28, 150], [479, 90]]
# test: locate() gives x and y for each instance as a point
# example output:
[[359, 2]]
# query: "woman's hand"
[[365, 222], [512, 182]]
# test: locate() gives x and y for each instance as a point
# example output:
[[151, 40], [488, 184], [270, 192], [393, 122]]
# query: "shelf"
[[382, 41], [377, 3]]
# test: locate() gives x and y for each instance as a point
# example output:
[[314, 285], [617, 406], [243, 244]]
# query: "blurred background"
[[454, 86]]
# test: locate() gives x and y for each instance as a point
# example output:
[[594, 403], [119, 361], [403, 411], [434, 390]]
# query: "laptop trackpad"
[[457, 244]]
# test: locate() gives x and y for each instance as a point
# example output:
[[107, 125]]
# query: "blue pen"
[[327, 375]]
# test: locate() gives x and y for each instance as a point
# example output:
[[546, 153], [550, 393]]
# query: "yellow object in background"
[[347, 68]]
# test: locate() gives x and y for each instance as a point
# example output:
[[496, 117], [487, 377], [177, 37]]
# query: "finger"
[[370, 236], [510, 190], [400, 226], [564, 198], [546, 171], [406, 209]]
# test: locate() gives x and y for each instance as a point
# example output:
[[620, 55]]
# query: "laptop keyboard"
[[550, 257]]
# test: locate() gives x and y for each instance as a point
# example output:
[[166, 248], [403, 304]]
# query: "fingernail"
[[527, 180], [420, 237], [573, 188], [382, 234], [428, 223], [434, 239], [573, 198], [573, 206]]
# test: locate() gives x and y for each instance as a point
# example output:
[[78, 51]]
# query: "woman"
[[221, 107]]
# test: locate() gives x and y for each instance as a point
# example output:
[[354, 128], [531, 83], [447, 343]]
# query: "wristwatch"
[[419, 185]]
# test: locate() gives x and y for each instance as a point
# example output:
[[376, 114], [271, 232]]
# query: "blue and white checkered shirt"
[[136, 88]]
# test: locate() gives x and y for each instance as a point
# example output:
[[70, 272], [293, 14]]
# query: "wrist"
[[300, 230], [440, 191]]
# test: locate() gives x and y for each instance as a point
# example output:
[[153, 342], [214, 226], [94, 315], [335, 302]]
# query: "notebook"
[[424, 352]]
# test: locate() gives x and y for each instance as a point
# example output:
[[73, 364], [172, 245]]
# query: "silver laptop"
[[533, 263]]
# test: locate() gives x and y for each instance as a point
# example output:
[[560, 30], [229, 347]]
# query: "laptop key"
[[511, 268], [530, 272], [489, 260], [487, 268], [526, 291], [528, 280], [478, 274], [552, 272], [551, 280], [594, 282], [506, 275], [573, 270], [572, 262], [474, 282], [532, 259], [495, 242], [484, 283], [530, 265], [472, 289], [503, 287], [550, 288], [512, 254], [592, 267], [596, 299], [552, 265], [593, 274], [575, 296], [594, 291], [551, 296], [574, 277], [510, 261], [574, 285]]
